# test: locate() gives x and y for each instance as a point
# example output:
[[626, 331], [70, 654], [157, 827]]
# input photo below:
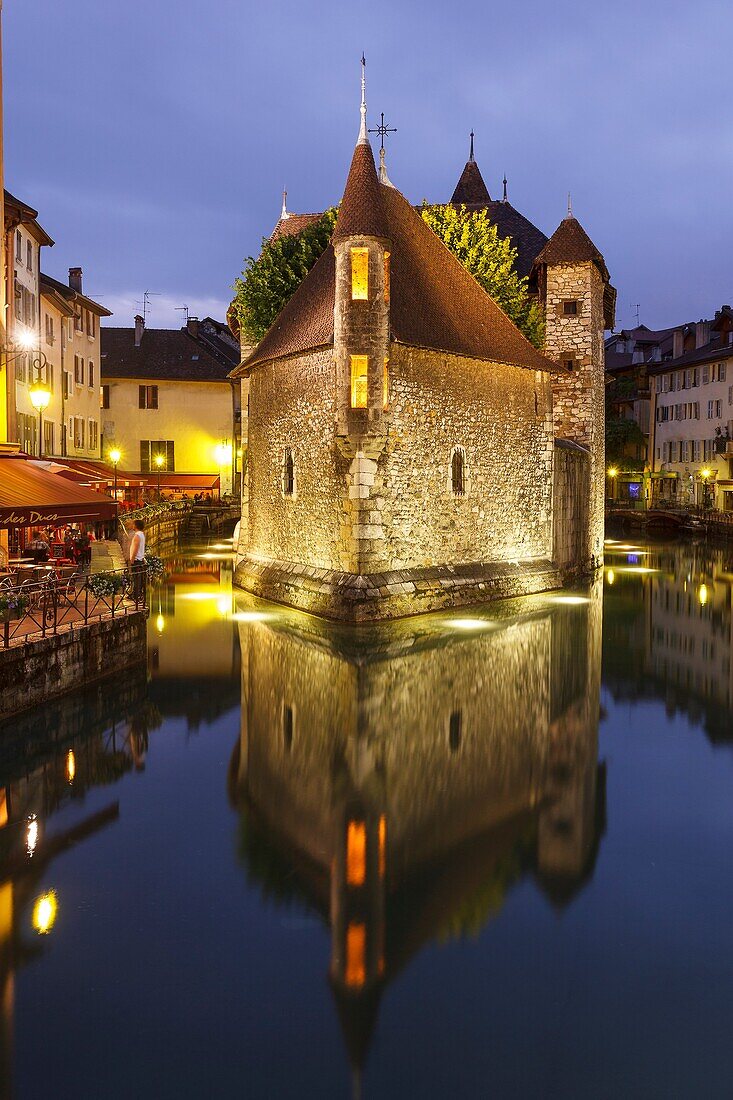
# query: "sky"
[[155, 137]]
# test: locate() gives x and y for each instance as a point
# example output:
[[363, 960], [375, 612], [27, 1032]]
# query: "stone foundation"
[[392, 595], [48, 667]]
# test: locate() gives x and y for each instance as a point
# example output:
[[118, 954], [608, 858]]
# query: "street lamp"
[[613, 474], [114, 456], [159, 462], [40, 396]]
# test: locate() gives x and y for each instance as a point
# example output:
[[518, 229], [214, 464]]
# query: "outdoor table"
[[21, 561]]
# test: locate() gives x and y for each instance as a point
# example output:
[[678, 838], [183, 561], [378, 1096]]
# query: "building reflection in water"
[[668, 630], [400, 780], [194, 663], [50, 759]]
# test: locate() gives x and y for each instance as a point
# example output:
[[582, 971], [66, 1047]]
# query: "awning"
[[183, 481], [30, 496], [100, 471]]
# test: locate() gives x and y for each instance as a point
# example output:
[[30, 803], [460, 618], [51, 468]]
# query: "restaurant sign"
[[25, 517]]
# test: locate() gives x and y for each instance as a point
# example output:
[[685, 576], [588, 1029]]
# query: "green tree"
[[622, 434], [491, 259], [269, 282]]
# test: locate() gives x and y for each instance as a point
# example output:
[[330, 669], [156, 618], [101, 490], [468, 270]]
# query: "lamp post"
[[705, 475], [613, 474], [159, 462], [114, 457], [40, 396]]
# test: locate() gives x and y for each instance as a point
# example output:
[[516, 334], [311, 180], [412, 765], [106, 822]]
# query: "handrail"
[[33, 609]]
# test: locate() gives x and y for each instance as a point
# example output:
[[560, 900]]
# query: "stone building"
[[402, 432]]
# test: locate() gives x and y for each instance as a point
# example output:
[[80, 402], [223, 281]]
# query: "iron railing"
[[35, 609]]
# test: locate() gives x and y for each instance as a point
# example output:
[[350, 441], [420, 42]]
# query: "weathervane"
[[383, 130]]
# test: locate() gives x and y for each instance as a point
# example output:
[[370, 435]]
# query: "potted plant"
[[13, 605]]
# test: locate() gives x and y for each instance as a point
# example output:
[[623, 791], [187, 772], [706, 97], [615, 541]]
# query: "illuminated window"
[[356, 853], [355, 954], [458, 472], [288, 473], [385, 384], [359, 273], [382, 845], [386, 277], [359, 364]]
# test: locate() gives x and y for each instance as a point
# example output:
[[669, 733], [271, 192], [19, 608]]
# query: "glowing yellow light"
[[115, 456], [159, 460], [26, 339], [470, 624], [610, 576], [382, 845], [223, 454], [612, 471], [70, 765], [355, 954], [571, 601], [224, 605], [160, 624], [31, 835], [359, 366], [359, 274], [703, 595], [356, 853], [705, 474], [249, 617], [44, 912], [40, 396]]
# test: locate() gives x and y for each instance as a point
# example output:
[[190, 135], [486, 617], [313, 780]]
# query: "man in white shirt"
[[136, 558]]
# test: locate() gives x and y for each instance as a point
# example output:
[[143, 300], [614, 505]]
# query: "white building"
[[691, 443]]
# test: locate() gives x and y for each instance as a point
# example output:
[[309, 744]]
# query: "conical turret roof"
[[471, 189], [570, 244], [360, 213]]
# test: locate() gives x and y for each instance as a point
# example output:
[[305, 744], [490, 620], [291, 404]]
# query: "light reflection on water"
[[339, 840]]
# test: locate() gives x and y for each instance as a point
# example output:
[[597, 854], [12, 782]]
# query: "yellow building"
[[167, 402]]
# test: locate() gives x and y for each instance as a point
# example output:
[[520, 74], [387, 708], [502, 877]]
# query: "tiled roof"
[[293, 224], [72, 295], [434, 301], [471, 189], [570, 244], [361, 212], [707, 353], [164, 354]]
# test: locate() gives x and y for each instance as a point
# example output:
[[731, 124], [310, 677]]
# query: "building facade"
[[402, 432], [167, 401], [692, 419]]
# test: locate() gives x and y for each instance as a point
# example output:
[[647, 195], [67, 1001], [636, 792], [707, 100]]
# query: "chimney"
[[192, 325], [702, 334], [678, 343], [75, 279], [139, 330]]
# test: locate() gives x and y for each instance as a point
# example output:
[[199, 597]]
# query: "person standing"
[[136, 558]]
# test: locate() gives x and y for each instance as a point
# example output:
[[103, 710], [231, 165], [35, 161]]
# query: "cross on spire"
[[470, 155], [382, 130]]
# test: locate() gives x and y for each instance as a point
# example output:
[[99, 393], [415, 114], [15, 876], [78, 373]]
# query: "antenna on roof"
[[636, 306], [470, 155], [182, 309], [363, 137], [146, 301]]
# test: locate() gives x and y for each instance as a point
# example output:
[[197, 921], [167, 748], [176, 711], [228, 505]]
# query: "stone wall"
[[579, 394], [571, 495], [40, 670]]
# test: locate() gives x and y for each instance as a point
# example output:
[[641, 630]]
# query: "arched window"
[[288, 473], [458, 472]]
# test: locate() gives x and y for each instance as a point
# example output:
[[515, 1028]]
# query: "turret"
[[579, 301], [361, 308]]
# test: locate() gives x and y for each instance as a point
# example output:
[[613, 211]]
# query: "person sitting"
[[38, 548]]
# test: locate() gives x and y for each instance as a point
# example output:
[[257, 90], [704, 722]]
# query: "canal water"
[[473, 854]]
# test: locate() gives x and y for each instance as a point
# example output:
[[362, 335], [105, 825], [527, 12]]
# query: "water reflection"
[[668, 632], [399, 782]]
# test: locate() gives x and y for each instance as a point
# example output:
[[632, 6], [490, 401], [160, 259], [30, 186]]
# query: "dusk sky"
[[155, 137]]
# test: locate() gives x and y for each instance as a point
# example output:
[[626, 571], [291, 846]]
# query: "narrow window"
[[385, 384], [455, 730], [382, 845], [91, 374], [570, 307], [386, 277], [355, 954], [287, 727], [105, 397], [569, 364], [359, 365], [356, 853], [458, 472], [359, 274], [288, 473]]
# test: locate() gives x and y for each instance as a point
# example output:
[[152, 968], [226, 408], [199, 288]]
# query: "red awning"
[[183, 481], [99, 470], [30, 495]]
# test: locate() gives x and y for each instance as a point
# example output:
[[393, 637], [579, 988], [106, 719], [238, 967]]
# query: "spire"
[[470, 155], [504, 181], [284, 212], [570, 207], [363, 135]]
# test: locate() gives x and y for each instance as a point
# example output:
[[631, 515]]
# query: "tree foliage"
[[621, 435], [269, 282], [491, 259]]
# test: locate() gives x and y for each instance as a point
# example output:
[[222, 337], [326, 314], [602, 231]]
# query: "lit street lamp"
[[40, 396], [114, 456], [613, 474], [159, 462]]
